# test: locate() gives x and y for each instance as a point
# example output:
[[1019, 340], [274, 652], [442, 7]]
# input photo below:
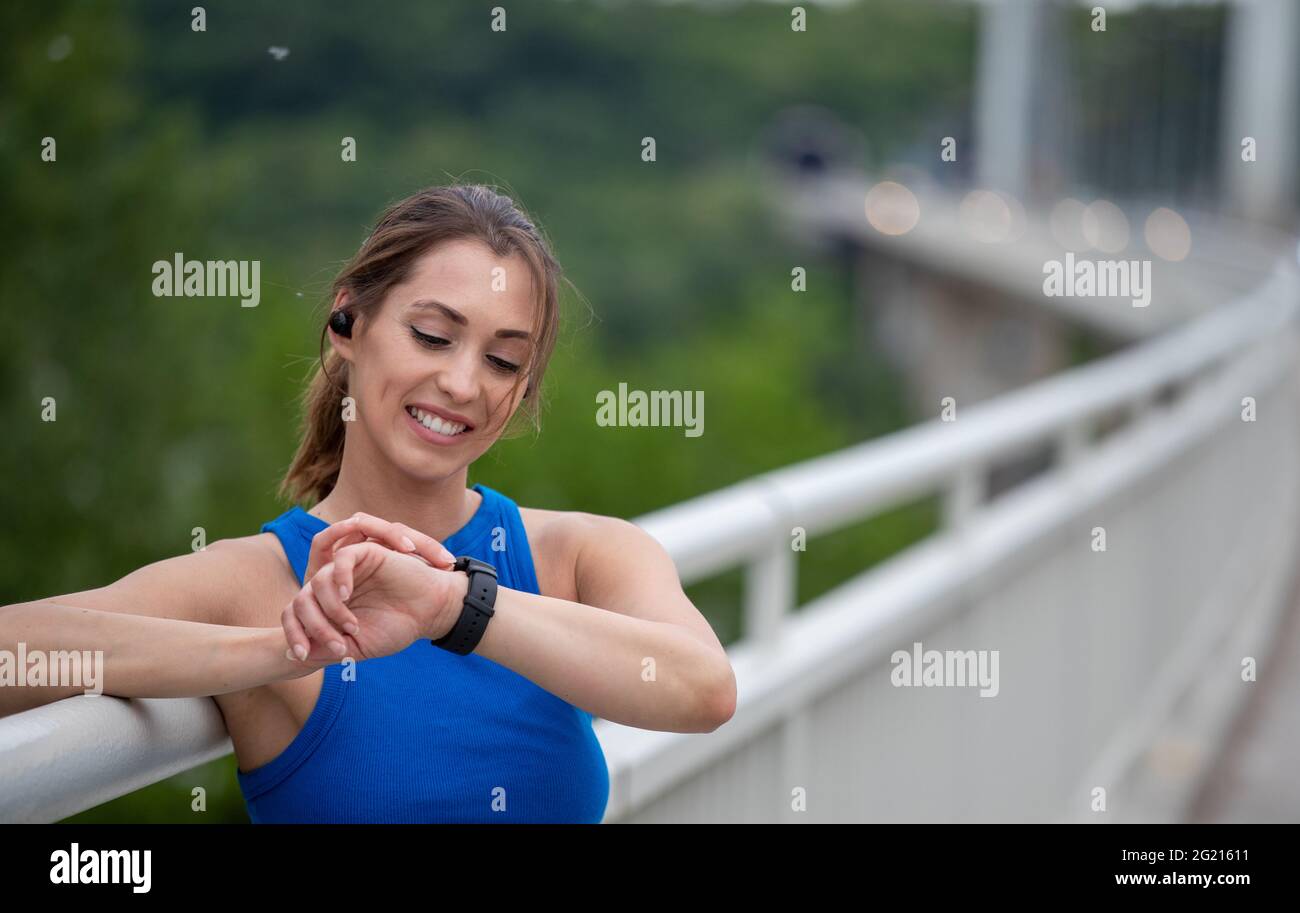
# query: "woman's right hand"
[[372, 601], [362, 527]]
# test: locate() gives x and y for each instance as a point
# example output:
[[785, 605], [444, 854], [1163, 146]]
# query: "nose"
[[458, 377]]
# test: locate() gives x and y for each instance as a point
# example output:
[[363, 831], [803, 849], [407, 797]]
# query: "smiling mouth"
[[435, 422]]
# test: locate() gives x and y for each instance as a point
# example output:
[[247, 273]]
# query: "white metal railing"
[[750, 522], [816, 709], [82, 751]]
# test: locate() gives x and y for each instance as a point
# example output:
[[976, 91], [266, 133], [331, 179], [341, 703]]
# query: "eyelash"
[[437, 342]]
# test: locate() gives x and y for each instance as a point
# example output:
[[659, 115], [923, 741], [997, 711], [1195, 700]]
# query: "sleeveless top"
[[428, 736]]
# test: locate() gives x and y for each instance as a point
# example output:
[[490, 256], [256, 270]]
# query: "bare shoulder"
[[564, 532], [245, 580], [261, 575], [617, 565], [559, 539], [260, 554], [552, 539]]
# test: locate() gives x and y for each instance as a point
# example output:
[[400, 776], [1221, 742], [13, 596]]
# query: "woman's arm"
[[135, 655], [647, 674], [161, 631], [633, 649]]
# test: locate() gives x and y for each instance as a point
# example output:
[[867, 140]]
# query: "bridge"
[[1132, 585]]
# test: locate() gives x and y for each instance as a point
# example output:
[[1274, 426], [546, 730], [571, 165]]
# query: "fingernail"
[[337, 647], [350, 628], [300, 651], [343, 594], [288, 654], [448, 557], [408, 544]]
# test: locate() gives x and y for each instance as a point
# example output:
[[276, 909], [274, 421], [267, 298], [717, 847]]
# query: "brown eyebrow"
[[429, 304]]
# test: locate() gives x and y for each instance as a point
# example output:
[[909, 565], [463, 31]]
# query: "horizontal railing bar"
[[71, 755]]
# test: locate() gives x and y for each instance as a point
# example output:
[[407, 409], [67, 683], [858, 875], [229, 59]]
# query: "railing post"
[[769, 590], [1071, 444], [964, 494], [796, 738]]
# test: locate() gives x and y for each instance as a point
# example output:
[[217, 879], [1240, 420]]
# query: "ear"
[[341, 344]]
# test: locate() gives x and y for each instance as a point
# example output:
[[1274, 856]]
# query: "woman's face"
[[432, 369]]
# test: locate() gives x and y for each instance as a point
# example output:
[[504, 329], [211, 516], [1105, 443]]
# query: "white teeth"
[[435, 423]]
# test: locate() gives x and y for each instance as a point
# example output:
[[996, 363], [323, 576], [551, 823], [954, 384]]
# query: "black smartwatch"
[[480, 602]]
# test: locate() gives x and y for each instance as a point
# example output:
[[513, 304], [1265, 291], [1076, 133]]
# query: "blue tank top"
[[428, 736]]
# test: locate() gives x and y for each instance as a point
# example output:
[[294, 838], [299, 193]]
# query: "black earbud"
[[341, 323]]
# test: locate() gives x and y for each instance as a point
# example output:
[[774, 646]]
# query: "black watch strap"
[[480, 603]]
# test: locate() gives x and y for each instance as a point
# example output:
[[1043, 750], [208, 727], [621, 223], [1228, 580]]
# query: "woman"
[[314, 635]]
